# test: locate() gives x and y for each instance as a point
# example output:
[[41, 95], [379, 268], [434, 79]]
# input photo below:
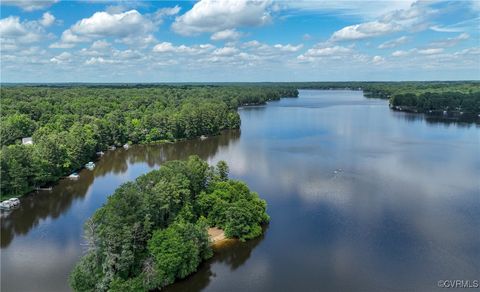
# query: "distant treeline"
[[422, 97], [70, 124], [154, 230]]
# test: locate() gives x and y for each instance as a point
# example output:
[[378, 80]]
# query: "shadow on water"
[[232, 254], [38, 206]]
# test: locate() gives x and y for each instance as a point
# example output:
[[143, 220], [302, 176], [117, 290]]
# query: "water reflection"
[[229, 256], [41, 205]]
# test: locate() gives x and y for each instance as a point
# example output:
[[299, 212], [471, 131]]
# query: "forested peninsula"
[[69, 124], [154, 230]]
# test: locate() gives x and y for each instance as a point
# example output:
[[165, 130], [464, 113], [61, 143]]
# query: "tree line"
[[69, 124], [154, 230]]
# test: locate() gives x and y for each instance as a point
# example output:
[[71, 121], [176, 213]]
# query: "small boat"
[[126, 146], [444, 112], [74, 175], [203, 137], [100, 153], [14, 201], [90, 165], [112, 147], [9, 204], [5, 205]]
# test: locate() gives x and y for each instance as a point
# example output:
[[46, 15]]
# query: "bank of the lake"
[[399, 213]]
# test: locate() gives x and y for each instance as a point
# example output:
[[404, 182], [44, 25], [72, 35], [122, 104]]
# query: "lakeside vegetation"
[[70, 124], [454, 97], [154, 230]]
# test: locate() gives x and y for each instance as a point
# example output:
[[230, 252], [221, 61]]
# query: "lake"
[[361, 198]]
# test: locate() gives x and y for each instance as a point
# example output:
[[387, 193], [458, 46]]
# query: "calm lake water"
[[361, 198]]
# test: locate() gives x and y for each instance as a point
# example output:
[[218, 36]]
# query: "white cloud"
[[168, 11], [129, 27], [100, 44], [47, 19], [167, 47], [30, 5], [450, 42], [414, 18], [218, 15], [288, 47], [364, 9], [400, 53], [99, 60], [227, 34], [13, 31], [364, 30], [225, 51], [376, 60], [327, 51], [394, 43], [431, 51], [62, 58]]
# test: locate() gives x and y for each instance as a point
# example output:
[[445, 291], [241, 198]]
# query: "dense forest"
[[69, 124], [154, 230]]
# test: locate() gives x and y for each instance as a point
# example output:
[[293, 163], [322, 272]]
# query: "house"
[[27, 141]]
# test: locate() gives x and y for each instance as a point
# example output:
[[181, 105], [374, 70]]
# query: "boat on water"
[[90, 165], [74, 175], [100, 153], [112, 147], [10, 204], [126, 146], [203, 137]]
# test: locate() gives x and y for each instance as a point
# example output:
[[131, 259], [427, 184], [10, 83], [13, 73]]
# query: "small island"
[[160, 227]]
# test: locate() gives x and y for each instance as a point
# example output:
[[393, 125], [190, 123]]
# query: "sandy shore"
[[216, 234]]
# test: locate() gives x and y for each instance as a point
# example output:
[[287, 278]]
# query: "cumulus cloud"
[[62, 58], [376, 60], [364, 30], [30, 5], [218, 15], [130, 27], [167, 47], [227, 34], [413, 18], [225, 51], [47, 19], [394, 43], [16, 32], [288, 47], [326, 51]]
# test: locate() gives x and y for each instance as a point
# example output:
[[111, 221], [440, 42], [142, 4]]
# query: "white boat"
[[74, 176], [126, 146], [90, 165], [100, 153], [203, 137], [112, 147], [9, 204], [14, 201], [5, 205]]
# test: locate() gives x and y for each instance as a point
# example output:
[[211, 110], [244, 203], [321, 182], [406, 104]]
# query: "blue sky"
[[238, 40]]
